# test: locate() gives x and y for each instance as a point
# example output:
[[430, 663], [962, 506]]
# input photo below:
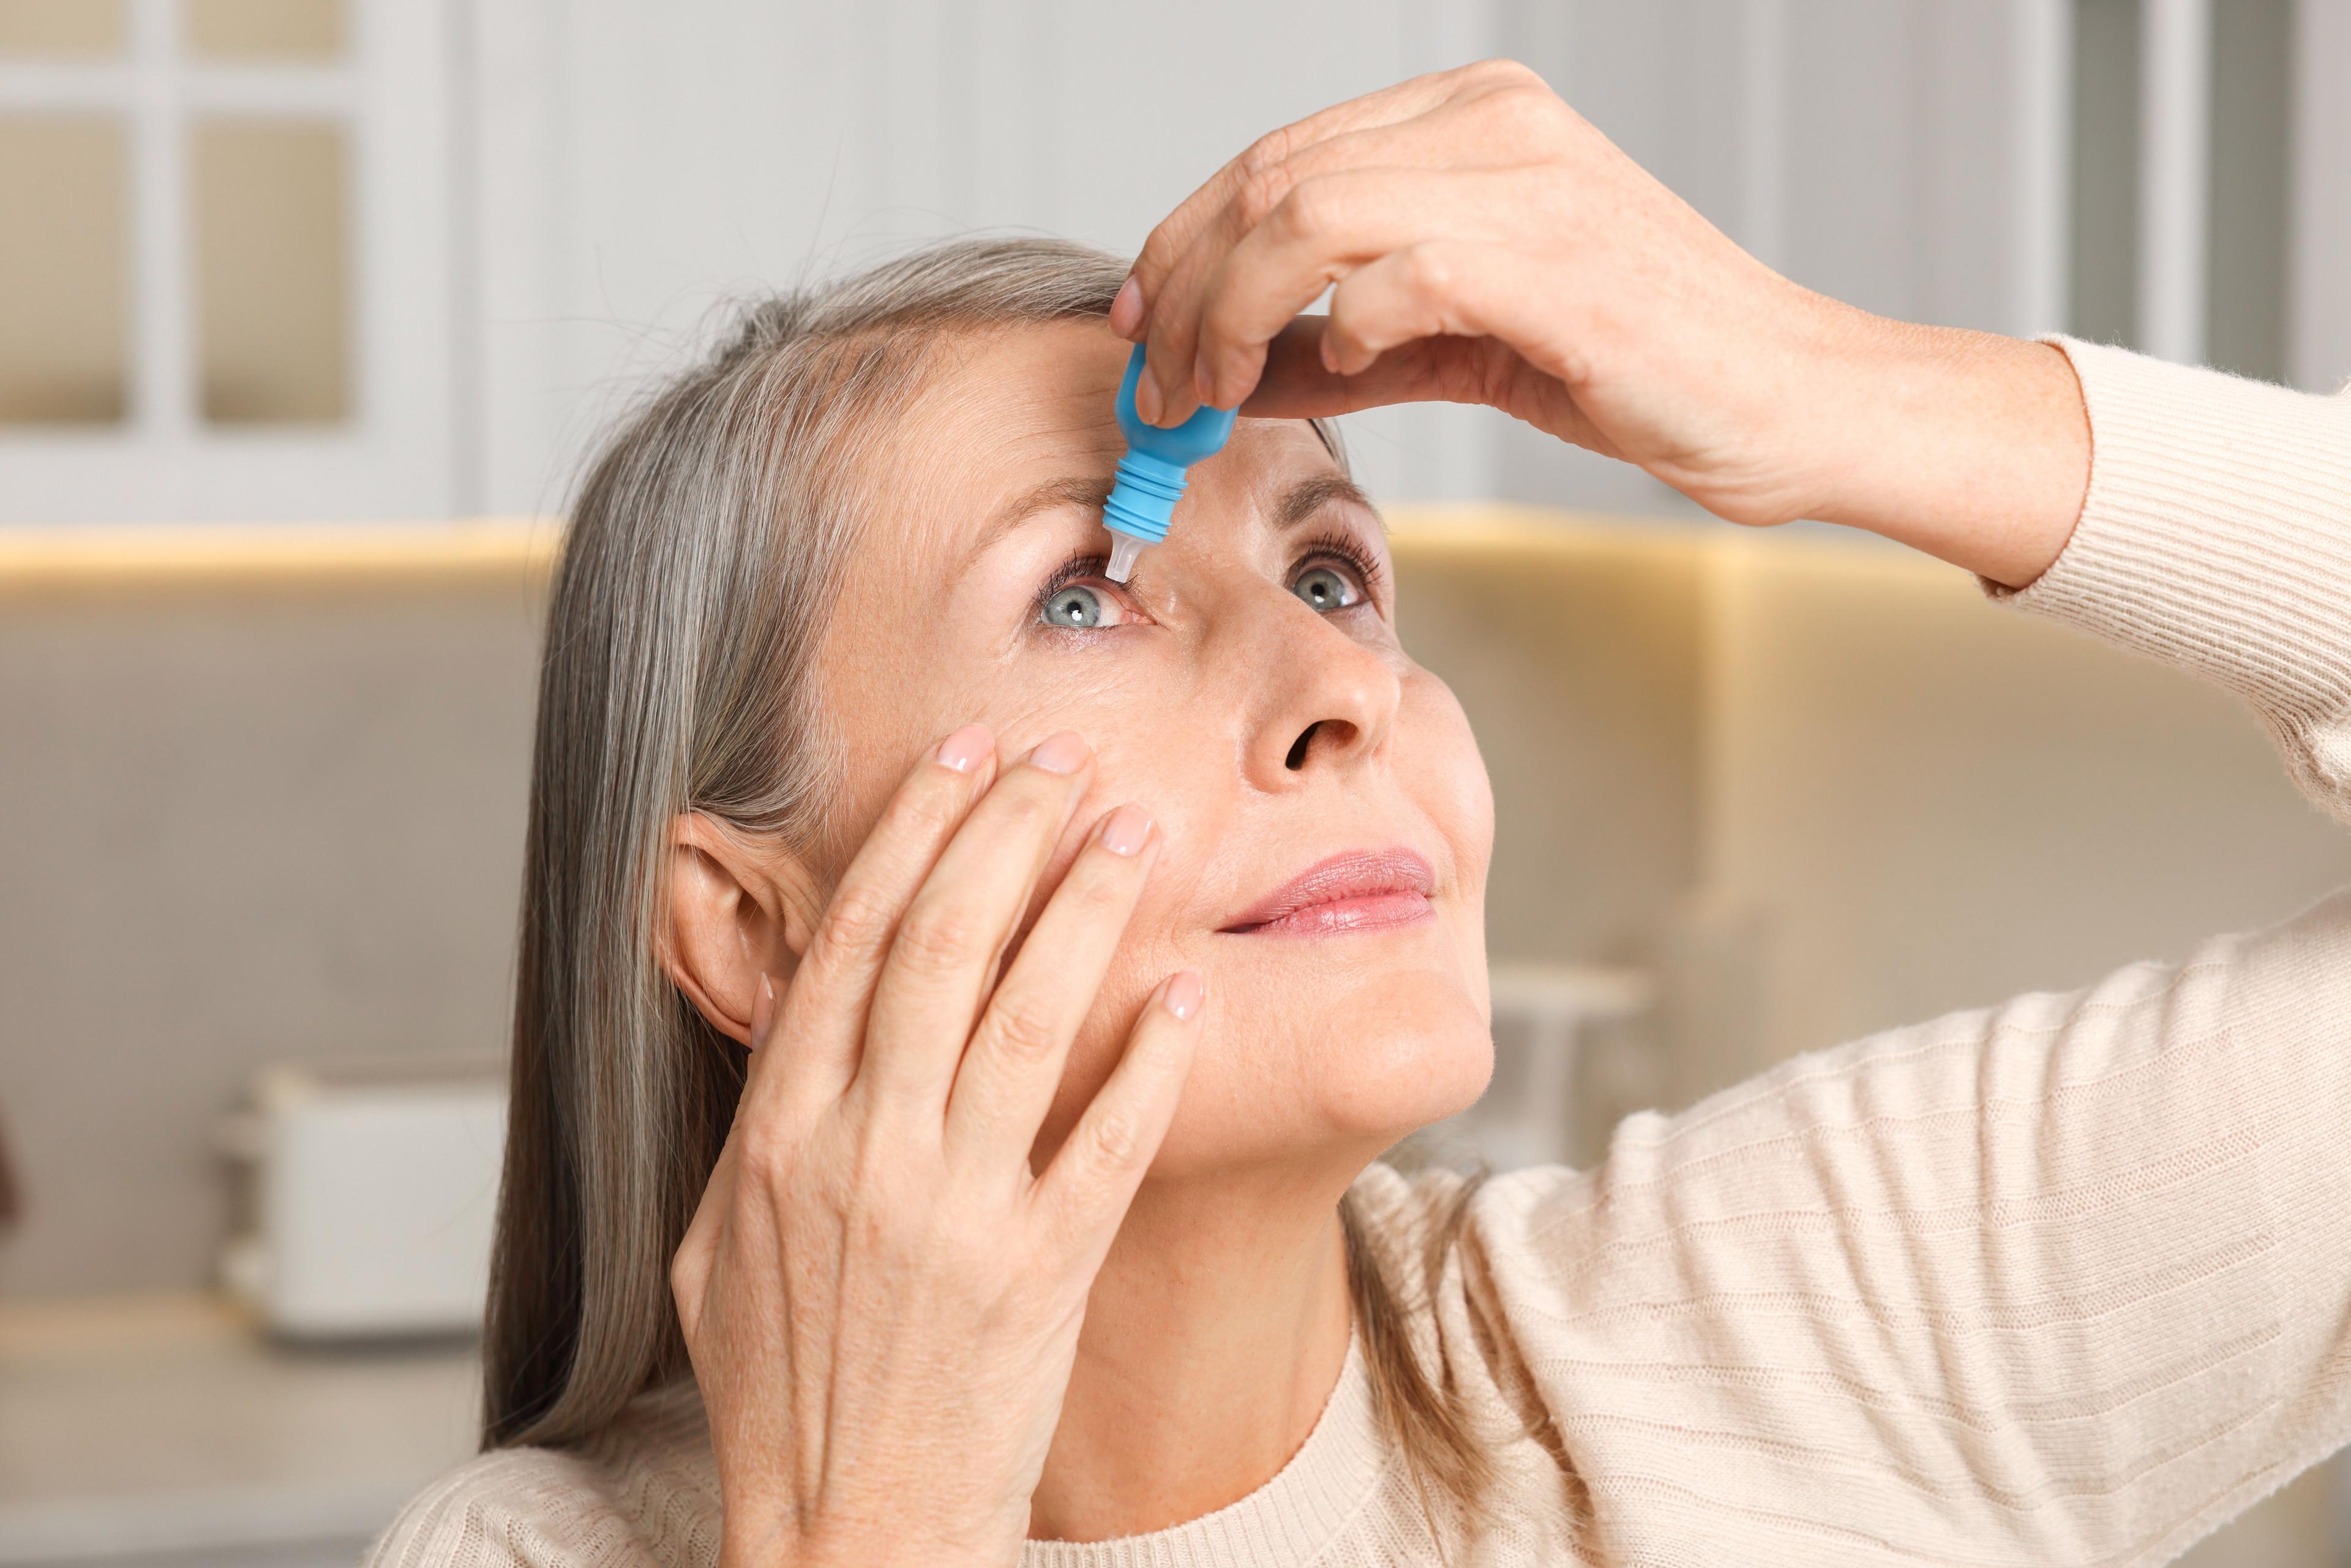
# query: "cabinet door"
[[226, 282]]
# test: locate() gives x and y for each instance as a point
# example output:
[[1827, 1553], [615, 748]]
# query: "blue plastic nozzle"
[[1152, 474]]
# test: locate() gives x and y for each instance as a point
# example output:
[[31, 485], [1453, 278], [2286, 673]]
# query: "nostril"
[[1297, 757]]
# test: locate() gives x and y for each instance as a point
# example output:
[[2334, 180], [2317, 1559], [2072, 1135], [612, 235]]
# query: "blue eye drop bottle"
[[1152, 474]]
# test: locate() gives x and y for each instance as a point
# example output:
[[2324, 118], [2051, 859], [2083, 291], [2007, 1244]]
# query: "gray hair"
[[704, 545]]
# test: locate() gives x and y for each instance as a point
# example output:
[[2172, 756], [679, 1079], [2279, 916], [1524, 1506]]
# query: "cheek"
[[1322, 1049], [1445, 771], [1155, 748]]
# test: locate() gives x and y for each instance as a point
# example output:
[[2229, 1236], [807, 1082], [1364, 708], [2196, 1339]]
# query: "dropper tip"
[[1125, 549]]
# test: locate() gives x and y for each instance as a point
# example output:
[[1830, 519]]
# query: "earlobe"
[[734, 916]]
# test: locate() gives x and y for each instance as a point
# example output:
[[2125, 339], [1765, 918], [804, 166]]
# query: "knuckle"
[[1525, 109], [942, 938], [1504, 73], [685, 1278], [1220, 327], [1429, 269], [1035, 811], [1311, 208], [1116, 1140], [1100, 886], [931, 813], [857, 920], [1157, 256], [1027, 1028], [766, 1155], [1264, 188], [1268, 152]]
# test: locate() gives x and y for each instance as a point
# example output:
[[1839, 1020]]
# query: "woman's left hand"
[[1484, 244]]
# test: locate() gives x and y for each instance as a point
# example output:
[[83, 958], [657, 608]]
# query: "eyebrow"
[[1085, 490], [1308, 496], [1298, 504]]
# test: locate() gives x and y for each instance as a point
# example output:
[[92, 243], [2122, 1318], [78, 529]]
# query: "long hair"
[[705, 545]]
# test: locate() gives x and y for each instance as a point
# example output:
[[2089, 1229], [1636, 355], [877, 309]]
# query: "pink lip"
[[1365, 890]]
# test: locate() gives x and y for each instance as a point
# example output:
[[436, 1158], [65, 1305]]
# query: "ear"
[[740, 907]]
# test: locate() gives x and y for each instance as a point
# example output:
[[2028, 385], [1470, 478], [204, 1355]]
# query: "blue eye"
[[1325, 589], [1074, 608]]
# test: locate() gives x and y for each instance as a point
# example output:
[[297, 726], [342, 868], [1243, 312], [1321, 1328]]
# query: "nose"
[[1329, 702]]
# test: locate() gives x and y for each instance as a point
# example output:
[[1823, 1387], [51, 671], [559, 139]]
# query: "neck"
[[1215, 1333]]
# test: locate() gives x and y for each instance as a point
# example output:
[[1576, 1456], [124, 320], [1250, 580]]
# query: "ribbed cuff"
[[2217, 535]]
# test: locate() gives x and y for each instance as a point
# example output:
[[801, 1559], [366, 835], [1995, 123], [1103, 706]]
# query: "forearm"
[[1972, 447]]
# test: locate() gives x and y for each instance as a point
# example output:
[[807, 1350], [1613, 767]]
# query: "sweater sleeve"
[[2063, 1281], [2217, 535]]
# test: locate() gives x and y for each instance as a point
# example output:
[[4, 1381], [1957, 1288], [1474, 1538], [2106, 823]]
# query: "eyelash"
[[1077, 569], [1346, 549], [1333, 545]]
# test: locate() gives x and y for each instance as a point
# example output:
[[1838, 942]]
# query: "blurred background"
[[308, 307]]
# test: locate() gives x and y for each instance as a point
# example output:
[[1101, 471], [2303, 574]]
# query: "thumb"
[[1486, 370], [1297, 384]]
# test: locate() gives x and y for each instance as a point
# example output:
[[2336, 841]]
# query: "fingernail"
[[1204, 382], [966, 748], [1184, 993], [1062, 753], [763, 1010], [1146, 396], [1126, 310], [1126, 830]]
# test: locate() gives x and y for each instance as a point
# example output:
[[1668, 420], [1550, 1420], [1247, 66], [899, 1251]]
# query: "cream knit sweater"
[[2063, 1281]]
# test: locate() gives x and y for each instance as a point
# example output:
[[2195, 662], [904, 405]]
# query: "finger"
[[1171, 340], [1297, 384], [1084, 1193], [1448, 288], [1429, 122], [945, 954], [824, 1012], [1444, 135], [1325, 229], [1497, 327], [697, 1249], [1013, 1067], [1176, 233]]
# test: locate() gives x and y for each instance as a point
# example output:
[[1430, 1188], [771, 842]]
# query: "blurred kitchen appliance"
[[367, 1188]]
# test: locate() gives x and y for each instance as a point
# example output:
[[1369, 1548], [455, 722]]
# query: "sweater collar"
[[1309, 1503]]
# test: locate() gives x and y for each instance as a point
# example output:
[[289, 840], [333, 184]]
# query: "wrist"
[[1971, 446]]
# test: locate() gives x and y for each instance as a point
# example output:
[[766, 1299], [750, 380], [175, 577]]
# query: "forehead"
[[1006, 410]]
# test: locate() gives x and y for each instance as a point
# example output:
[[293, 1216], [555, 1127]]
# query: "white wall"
[[612, 168], [640, 163], [2318, 345]]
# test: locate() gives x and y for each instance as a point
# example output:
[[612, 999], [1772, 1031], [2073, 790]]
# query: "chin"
[[1423, 1050], [1342, 1076]]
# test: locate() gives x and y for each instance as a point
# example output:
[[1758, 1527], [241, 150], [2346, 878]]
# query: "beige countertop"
[[135, 1427]]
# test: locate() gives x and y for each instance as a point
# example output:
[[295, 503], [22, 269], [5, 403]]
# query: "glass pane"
[[265, 29], [64, 185], [60, 26], [273, 313]]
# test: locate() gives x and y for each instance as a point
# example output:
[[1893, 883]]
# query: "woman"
[[1000, 1107]]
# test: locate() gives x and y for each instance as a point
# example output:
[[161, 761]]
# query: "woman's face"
[[1325, 815]]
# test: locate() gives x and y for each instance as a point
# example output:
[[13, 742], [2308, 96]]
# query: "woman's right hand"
[[1483, 243], [881, 1299]]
